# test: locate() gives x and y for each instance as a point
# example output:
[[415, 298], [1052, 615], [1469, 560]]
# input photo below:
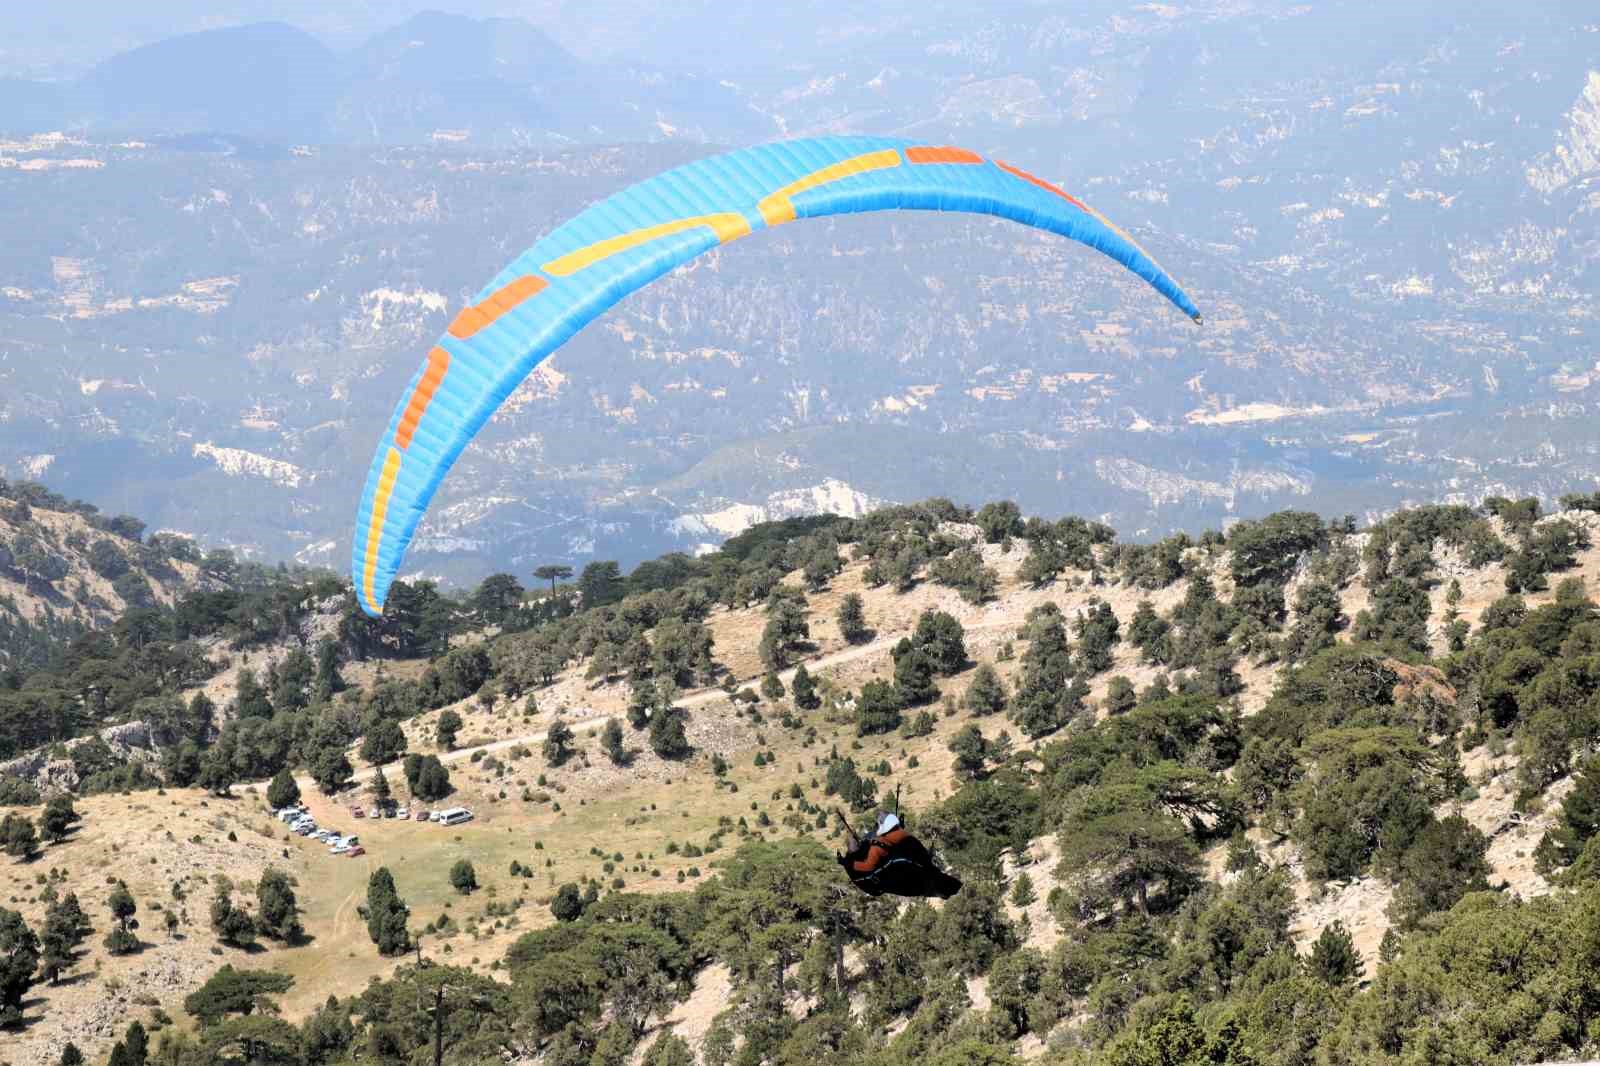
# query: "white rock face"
[[379, 302], [240, 463], [393, 313], [1162, 486], [1579, 153], [1251, 412], [830, 497]]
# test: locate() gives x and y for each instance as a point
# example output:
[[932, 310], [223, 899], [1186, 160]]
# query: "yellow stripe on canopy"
[[728, 226], [380, 509], [777, 208]]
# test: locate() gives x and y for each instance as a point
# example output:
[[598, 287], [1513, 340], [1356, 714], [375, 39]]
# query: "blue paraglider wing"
[[626, 241]]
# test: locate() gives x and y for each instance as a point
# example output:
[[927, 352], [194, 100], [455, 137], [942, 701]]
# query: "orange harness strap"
[[878, 851]]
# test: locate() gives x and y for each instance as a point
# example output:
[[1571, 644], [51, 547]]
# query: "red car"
[[353, 852], [422, 816], [358, 812]]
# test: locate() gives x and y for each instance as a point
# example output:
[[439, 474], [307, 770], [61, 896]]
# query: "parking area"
[[344, 844]]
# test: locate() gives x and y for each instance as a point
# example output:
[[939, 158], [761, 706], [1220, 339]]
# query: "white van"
[[455, 816]]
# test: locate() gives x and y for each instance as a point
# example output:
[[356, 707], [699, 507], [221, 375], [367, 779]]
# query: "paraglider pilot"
[[889, 859]]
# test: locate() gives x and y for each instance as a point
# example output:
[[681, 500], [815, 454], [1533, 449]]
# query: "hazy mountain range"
[[221, 270]]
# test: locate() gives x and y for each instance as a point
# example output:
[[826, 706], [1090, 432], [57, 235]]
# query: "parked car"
[[339, 849], [401, 812], [357, 850], [357, 812], [306, 830], [423, 816], [376, 812]]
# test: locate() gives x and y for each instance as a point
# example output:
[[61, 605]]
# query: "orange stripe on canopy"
[[482, 315], [941, 154], [1045, 185], [438, 366]]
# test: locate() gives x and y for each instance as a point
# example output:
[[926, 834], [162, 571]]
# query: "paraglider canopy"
[[631, 238]]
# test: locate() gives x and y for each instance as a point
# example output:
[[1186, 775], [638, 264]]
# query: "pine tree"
[[19, 958], [668, 736], [971, 752], [567, 906], [913, 674], [384, 743], [217, 773], [331, 770], [433, 780], [878, 708], [557, 743], [328, 681], [380, 788], [1580, 820], [233, 925], [448, 727], [804, 690], [1046, 696], [121, 940], [18, 836], [137, 1043], [611, 742], [277, 909], [853, 619], [283, 791], [61, 934], [986, 693], [1120, 697], [386, 914], [57, 819], [1333, 958]]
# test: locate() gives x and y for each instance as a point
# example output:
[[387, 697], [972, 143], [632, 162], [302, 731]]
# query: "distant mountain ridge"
[[435, 76], [1394, 240]]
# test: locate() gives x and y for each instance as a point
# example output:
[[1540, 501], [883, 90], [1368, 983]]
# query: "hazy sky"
[[62, 39]]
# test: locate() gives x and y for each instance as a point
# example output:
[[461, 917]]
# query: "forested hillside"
[[1296, 792], [65, 568]]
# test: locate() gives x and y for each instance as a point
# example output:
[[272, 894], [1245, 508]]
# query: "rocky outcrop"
[[1578, 154], [51, 769]]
